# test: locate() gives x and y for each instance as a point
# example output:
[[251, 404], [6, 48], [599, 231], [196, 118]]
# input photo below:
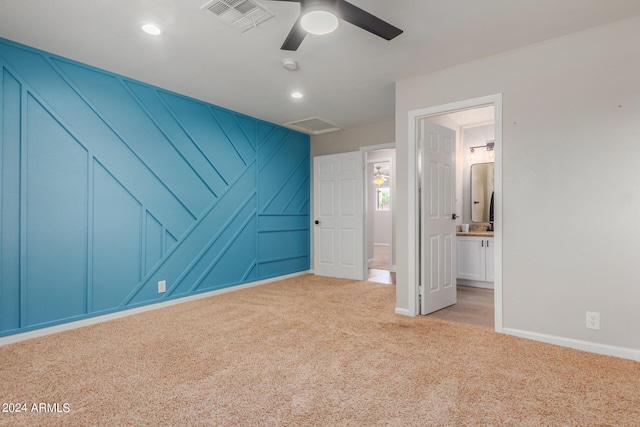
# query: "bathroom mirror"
[[482, 192]]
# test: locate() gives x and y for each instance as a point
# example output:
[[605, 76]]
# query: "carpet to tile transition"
[[308, 351], [381, 258]]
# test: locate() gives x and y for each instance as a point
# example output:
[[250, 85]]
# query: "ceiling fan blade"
[[367, 21], [295, 37]]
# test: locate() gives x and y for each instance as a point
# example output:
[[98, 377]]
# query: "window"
[[383, 199]]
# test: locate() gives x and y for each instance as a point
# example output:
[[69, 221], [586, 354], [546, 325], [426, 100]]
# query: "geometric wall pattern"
[[108, 185]]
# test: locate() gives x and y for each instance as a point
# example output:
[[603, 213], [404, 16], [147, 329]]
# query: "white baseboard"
[[402, 311], [605, 349], [111, 316], [381, 244], [475, 283], [393, 269]]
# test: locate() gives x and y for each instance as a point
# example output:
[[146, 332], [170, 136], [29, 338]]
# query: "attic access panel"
[[313, 126]]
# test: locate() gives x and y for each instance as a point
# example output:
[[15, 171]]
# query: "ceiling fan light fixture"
[[378, 180], [319, 21]]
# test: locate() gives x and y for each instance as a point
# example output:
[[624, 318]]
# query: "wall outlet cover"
[[593, 320]]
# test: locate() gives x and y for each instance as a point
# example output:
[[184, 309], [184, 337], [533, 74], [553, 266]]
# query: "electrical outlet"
[[162, 286], [593, 320]]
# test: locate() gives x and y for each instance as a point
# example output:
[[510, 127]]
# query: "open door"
[[338, 216], [437, 172]]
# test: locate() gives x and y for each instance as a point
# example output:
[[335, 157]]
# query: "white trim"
[[387, 146], [412, 217], [381, 244], [474, 283], [393, 269], [478, 124], [402, 311], [608, 350], [11, 339]]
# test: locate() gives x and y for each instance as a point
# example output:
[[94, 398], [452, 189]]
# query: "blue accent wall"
[[108, 185]]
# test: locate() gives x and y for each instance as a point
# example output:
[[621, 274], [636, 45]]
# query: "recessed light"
[[297, 95], [151, 29]]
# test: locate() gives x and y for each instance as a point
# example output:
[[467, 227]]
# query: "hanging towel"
[[491, 209]]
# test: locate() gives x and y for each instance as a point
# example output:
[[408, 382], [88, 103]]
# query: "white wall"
[[348, 140], [571, 181], [382, 231]]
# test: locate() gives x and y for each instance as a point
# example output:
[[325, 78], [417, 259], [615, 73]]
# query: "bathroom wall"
[[473, 137]]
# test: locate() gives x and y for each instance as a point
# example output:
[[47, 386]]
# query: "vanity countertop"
[[476, 233]]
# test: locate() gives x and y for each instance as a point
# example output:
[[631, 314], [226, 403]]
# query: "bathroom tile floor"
[[474, 307], [382, 276]]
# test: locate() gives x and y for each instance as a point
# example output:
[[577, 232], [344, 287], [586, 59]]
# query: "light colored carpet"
[[309, 351], [380, 258]]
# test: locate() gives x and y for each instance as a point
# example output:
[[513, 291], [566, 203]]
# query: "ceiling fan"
[[379, 178], [321, 17]]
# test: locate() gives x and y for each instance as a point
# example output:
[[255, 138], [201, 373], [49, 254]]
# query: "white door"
[[437, 223], [338, 215]]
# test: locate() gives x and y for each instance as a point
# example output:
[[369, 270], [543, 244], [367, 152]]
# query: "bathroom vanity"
[[475, 259]]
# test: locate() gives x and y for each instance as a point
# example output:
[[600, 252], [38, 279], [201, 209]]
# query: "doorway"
[[379, 178], [472, 300], [416, 117]]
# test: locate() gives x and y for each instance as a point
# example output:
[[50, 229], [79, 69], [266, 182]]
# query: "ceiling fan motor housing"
[[328, 5]]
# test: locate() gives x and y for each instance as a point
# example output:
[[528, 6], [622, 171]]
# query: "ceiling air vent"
[[242, 15], [313, 126]]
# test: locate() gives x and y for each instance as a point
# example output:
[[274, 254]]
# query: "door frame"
[[364, 150], [412, 208]]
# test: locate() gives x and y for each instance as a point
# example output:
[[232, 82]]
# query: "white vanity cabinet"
[[475, 261]]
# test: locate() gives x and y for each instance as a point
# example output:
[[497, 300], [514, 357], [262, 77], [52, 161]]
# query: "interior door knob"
[[317, 222]]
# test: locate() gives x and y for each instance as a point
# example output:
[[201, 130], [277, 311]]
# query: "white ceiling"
[[347, 77], [473, 117]]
